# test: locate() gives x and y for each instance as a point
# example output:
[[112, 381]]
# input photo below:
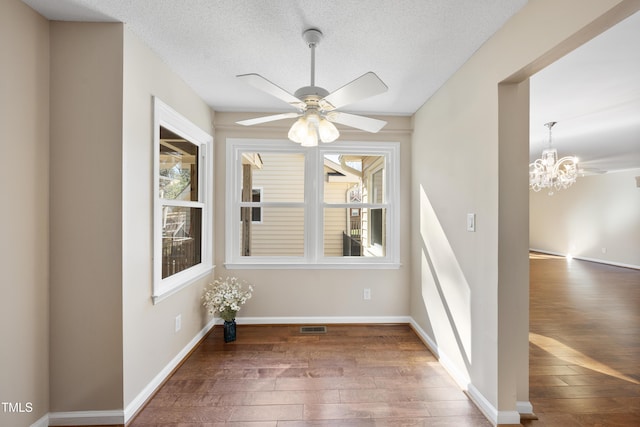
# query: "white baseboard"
[[86, 418], [490, 411], [601, 261], [598, 260], [542, 251], [461, 379], [89, 418], [42, 422], [508, 417], [313, 320], [148, 391], [524, 408]]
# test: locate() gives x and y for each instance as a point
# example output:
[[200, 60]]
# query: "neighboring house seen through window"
[[333, 205]]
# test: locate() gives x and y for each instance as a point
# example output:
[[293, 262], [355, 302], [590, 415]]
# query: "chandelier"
[[549, 172]]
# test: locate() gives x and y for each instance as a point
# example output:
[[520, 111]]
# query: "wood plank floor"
[[584, 367], [374, 375], [584, 343]]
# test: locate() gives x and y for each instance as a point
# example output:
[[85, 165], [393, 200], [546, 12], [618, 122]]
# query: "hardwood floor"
[[584, 343], [374, 375], [584, 367]]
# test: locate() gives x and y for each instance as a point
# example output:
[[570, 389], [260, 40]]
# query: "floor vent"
[[313, 329]]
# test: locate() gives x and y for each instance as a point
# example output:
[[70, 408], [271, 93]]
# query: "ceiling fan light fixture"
[[304, 132], [299, 130], [327, 130], [311, 139], [310, 128]]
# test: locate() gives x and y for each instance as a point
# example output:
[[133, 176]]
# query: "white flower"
[[225, 297]]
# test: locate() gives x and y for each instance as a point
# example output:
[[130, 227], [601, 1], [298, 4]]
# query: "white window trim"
[[168, 118], [314, 204]]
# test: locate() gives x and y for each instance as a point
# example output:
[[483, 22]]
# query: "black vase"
[[229, 330]]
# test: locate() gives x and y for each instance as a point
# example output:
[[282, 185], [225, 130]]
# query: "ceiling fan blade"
[[365, 86], [259, 82], [359, 122], [591, 171], [265, 119]]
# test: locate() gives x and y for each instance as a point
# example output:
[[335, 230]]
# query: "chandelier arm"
[[568, 159]]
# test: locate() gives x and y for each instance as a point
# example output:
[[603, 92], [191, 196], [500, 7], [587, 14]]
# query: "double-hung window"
[[334, 206], [182, 206]]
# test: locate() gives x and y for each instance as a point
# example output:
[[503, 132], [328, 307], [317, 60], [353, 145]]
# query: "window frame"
[[166, 117], [314, 205]]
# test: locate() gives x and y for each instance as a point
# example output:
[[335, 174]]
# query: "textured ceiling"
[[412, 45], [593, 94]]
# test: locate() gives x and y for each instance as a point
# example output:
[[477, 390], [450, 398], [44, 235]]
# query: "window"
[[333, 205], [182, 211], [256, 213]]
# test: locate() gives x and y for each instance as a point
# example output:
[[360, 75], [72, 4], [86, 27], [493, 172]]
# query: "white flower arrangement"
[[225, 297]]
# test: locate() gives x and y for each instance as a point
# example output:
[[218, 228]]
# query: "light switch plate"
[[178, 323], [471, 222]]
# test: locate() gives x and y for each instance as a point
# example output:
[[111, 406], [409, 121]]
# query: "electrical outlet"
[[366, 294], [178, 322]]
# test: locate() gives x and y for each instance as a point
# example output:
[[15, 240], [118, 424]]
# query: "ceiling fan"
[[317, 108]]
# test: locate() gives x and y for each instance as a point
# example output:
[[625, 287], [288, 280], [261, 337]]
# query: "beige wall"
[[108, 341], [470, 290], [24, 212], [598, 211], [325, 293], [149, 338], [86, 216], [103, 340]]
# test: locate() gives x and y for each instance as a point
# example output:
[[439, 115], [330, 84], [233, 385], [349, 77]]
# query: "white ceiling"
[[413, 46], [593, 94]]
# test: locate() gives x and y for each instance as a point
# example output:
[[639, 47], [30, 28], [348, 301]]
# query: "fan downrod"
[[312, 93]]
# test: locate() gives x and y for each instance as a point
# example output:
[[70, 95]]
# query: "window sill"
[[166, 293]]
